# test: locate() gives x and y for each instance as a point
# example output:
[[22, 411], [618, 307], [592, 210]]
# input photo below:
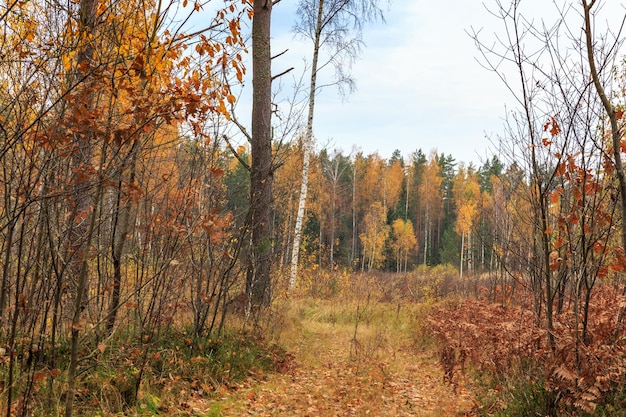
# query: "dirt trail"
[[333, 375]]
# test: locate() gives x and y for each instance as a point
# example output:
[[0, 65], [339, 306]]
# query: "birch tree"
[[405, 241], [600, 68], [335, 26], [374, 236], [466, 192], [431, 202]]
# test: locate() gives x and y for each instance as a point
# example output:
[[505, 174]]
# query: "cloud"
[[418, 82], [419, 86]]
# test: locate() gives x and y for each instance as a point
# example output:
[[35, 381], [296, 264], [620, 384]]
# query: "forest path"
[[378, 373]]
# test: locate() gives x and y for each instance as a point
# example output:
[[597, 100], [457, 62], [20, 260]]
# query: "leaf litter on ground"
[[335, 373]]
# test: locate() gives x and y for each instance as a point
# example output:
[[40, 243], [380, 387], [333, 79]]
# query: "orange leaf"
[[555, 129], [555, 196], [619, 114], [39, 376], [591, 188], [598, 247], [578, 196], [555, 265], [559, 243]]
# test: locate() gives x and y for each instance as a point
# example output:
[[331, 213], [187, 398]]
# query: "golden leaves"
[[67, 60]]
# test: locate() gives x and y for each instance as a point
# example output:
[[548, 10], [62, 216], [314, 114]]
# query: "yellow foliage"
[[376, 232], [466, 191], [393, 178], [404, 242]]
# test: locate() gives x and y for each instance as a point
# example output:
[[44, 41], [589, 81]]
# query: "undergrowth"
[[144, 380], [161, 374], [505, 349]]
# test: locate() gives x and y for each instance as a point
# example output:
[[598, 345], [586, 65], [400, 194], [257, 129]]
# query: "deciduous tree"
[[466, 193], [404, 242], [335, 26], [374, 236], [431, 203]]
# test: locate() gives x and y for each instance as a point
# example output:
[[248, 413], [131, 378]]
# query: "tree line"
[[367, 213]]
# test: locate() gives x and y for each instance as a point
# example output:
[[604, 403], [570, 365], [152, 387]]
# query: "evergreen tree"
[[448, 220]]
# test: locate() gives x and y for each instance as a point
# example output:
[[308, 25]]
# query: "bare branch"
[[280, 54], [281, 74], [235, 153], [237, 123]]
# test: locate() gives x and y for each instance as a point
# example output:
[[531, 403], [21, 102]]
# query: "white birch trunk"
[[308, 147], [426, 229], [462, 248], [354, 232], [297, 234]]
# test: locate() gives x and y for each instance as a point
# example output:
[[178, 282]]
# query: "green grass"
[[147, 379], [518, 399]]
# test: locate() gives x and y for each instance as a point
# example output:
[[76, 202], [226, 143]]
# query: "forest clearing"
[[350, 359], [166, 249]]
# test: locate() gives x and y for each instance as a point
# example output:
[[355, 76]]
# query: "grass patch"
[[154, 379], [311, 325], [516, 397]]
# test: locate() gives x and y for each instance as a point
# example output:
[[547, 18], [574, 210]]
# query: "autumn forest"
[[164, 253]]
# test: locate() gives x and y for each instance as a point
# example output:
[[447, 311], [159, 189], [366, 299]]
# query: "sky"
[[419, 83]]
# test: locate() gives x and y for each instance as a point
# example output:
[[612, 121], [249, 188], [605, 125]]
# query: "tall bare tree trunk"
[[426, 230], [332, 228], [121, 225], [82, 219], [307, 148], [616, 135], [297, 235], [258, 284], [354, 231], [462, 252]]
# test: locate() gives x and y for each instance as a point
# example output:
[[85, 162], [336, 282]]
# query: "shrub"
[[502, 340]]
